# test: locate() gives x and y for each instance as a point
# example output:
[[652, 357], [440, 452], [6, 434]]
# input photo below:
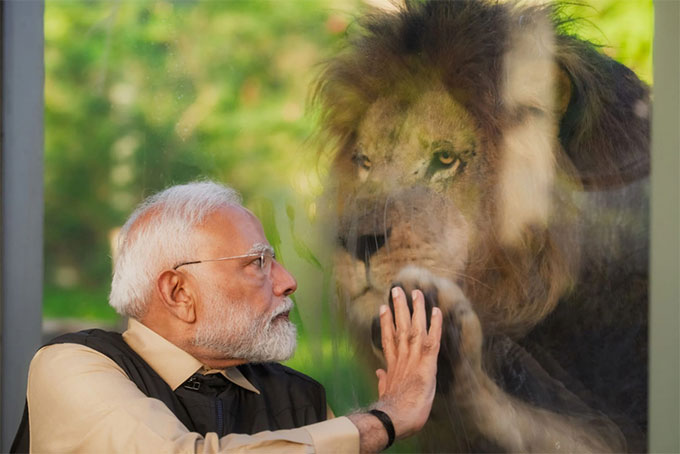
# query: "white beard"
[[231, 330]]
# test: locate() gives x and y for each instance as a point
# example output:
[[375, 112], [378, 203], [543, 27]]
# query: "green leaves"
[[141, 95]]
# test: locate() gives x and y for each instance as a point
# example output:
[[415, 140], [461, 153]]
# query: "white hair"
[[159, 235]]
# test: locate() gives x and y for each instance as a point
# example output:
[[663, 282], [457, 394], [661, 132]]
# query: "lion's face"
[[407, 195], [421, 185]]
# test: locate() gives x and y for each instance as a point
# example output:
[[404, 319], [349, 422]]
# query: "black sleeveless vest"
[[210, 403]]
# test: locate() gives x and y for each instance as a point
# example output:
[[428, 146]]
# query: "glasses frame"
[[262, 255]]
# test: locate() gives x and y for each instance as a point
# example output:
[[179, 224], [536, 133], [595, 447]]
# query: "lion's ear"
[[604, 128]]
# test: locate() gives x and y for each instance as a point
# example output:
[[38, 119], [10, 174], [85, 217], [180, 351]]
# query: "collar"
[[173, 364]]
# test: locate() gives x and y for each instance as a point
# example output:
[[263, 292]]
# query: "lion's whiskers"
[[461, 275]]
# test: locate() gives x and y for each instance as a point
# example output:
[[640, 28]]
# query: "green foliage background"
[[140, 95]]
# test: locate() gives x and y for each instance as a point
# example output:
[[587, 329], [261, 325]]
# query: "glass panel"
[[487, 156], [491, 159]]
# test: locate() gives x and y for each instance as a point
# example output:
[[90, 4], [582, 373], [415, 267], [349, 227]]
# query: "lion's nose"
[[362, 247]]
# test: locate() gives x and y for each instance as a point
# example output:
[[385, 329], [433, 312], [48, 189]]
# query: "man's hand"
[[406, 389]]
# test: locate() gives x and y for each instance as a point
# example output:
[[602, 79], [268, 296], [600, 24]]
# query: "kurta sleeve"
[[80, 400]]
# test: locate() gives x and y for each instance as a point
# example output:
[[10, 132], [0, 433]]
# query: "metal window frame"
[[664, 341], [21, 215]]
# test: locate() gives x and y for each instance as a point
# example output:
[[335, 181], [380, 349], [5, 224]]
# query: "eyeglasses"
[[265, 257]]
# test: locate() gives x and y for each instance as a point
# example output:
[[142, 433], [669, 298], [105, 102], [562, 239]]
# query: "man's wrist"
[[372, 434], [386, 421]]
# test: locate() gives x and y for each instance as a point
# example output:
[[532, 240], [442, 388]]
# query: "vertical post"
[[21, 192], [664, 378]]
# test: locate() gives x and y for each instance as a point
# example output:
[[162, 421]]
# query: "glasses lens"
[[266, 260]]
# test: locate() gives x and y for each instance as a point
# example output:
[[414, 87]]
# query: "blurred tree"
[[140, 95], [624, 29]]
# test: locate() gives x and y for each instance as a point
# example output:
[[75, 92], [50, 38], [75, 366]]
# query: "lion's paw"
[[461, 345]]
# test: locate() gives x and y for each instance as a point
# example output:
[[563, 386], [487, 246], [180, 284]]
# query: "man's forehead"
[[233, 217], [236, 226]]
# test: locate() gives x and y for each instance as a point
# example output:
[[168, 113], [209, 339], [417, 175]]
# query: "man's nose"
[[284, 282]]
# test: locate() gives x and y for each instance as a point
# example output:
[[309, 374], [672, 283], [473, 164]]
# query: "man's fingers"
[[401, 313], [382, 381], [387, 333], [419, 317], [435, 333]]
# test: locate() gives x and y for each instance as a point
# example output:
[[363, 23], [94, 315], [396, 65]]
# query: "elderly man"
[[196, 370]]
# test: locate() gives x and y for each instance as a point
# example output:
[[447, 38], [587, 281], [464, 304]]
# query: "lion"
[[486, 156]]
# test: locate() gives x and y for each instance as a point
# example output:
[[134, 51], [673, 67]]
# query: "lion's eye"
[[445, 157], [362, 161], [448, 160]]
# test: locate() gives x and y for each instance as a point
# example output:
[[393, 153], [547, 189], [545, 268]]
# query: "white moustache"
[[286, 306]]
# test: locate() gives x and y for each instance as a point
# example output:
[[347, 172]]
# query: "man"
[[195, 371]]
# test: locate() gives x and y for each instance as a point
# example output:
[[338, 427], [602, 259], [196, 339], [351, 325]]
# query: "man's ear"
[[177, 295]]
